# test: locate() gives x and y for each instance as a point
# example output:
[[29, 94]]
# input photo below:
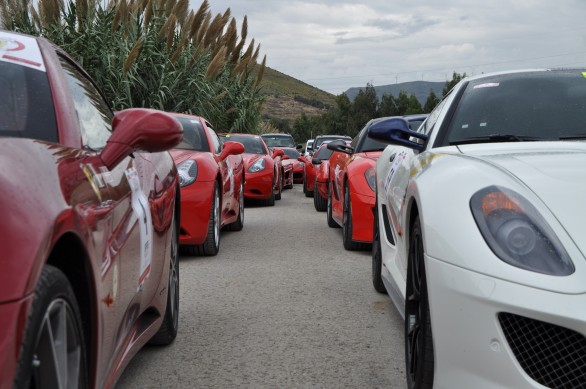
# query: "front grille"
[[553, 356]]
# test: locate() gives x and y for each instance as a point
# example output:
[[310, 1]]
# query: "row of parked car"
[[474, 216], [96, 205]]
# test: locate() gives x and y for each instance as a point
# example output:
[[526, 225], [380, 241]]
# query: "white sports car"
[[480, 233]]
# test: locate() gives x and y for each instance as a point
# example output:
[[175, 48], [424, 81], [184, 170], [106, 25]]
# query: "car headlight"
[[301, 164], [257, 166], [187, 172], [370, 175], [516, 232]]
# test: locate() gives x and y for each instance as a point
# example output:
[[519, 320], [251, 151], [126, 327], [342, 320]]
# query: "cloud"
[[337, 45]]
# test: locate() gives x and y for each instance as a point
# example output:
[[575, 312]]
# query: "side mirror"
[[286, 157], [396, 131], [299, 147], [343, 148], [140, 129], [231, 148], [301, 159], [277, 153]]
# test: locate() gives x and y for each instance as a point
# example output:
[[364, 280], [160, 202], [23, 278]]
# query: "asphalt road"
[[283, 305]]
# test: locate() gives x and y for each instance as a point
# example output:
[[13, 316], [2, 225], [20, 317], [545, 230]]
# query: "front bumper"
[[490, 333], [13, 320], [196, 204], [259, 186], [362, 217]]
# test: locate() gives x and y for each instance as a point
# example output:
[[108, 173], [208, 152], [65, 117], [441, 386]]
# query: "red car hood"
[[180, 155]]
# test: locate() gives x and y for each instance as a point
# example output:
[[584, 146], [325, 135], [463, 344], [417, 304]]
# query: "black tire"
[[349, 244], [320, 204], [211, 245], [377, 260], [168, 330], [331, 222], [54, 306], [419, 360], [278, 194], [239, 223]]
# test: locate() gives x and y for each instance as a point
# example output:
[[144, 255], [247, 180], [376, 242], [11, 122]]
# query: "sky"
[[336, 45]]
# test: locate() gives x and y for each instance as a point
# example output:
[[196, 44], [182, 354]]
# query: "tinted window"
[[194, 137], [252, 144], [546, 105], [216, 143], [26, 104], [279, 140], [323, 153], [328, 138], [93, 113], [294, 154]]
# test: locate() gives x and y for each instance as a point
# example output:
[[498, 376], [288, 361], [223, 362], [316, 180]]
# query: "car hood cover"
[[555, 172]]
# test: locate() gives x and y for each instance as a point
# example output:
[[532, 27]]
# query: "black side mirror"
[[343, 148], [396, 131]]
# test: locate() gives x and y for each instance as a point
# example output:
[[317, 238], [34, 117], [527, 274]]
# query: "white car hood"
[[554, 171]]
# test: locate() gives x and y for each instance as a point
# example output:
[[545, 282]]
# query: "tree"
[[414, 106], [155, 53], [388, 106], [456, 78], [431, 102], [363, 109]]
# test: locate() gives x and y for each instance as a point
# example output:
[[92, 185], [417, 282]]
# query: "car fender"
[[440, 186]]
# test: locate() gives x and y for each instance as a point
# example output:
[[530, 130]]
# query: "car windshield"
[[323, 153], [279, 140], [194, 137], [252, 144], [26, 103], [547, 105], [293, 154], [318, 142]]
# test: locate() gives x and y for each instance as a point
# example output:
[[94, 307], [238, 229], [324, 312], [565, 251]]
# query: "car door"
[[226, 171], [120, 233]]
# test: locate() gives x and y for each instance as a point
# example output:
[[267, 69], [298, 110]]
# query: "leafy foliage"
[[154, 53]]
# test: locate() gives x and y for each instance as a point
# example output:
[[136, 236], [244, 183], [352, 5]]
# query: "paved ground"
[[283, 305]]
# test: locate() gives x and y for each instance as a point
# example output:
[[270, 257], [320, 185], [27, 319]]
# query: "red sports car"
[[292, 167], [263, 179], [212, 185], [351, 187], [90, 200]]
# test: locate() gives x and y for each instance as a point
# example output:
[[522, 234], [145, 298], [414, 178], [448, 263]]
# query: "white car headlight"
[[257, 166], [516, 232], [187, 172]]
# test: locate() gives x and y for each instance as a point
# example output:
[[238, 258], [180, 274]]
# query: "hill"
[[287, 97], [418, 88]]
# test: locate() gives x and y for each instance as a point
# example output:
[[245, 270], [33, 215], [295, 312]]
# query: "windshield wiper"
[[495, 138], [573, 137]]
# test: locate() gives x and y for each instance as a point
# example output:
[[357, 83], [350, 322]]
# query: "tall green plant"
[[154, 53]]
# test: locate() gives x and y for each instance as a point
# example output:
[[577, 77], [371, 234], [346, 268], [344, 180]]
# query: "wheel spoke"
[[57, 360]]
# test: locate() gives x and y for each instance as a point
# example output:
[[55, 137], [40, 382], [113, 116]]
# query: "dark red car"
[[212, 185], [89, 272]]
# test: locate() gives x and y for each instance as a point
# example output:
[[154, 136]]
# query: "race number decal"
[[140, 206], [21, 50], [399, 158]]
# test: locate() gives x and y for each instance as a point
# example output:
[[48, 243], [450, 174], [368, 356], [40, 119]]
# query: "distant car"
[[280, 140], [212, 185], [89, 270], [320, 139], [310, 166], [351, 184], [309, 147], [263, 178], [479, 234], [297, 166]]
